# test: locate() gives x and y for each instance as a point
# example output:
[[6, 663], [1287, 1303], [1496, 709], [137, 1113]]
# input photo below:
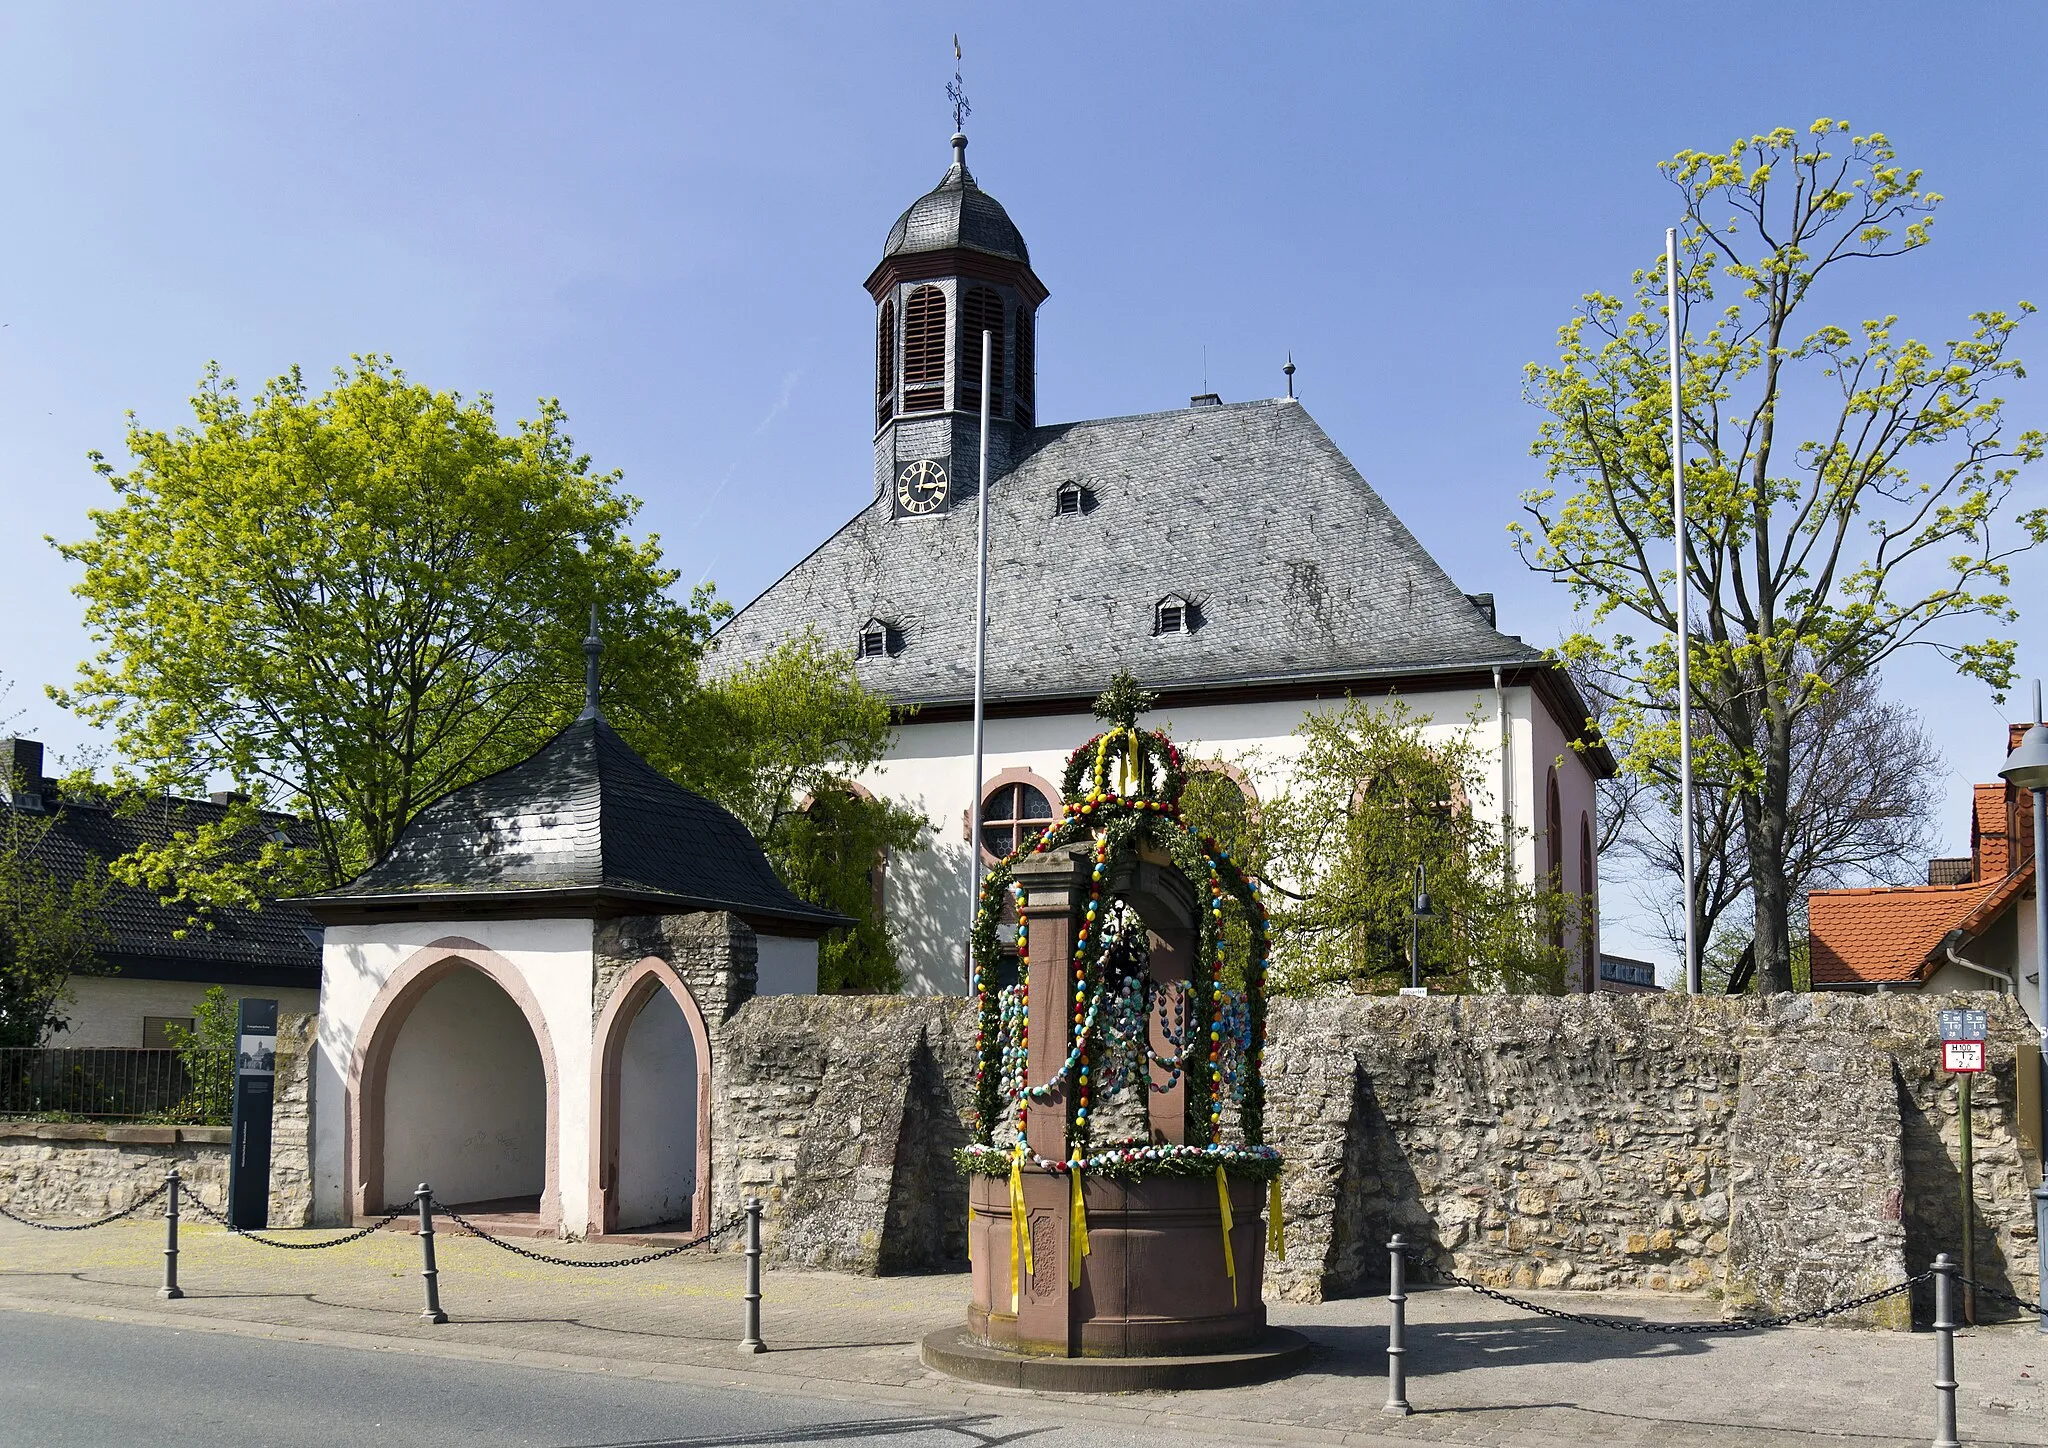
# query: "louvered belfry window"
[[1023, 387], [885, 363], [924, 350], [981, 311]]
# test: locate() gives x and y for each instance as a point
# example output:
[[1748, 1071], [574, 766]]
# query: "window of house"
[[879, 639], [1173, 614], [1588, 962], [885, 363], [981, 310], [1553, 848], [156, 1030], [1068, 502], [924, 351], [1014, 812]]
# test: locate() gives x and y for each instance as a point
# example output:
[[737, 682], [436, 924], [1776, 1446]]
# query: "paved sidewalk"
[[1480, 1372]]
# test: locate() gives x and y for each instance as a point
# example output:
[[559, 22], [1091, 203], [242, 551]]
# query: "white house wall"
[[555, 958], [108, 1010], [930, 769], [784, 965]]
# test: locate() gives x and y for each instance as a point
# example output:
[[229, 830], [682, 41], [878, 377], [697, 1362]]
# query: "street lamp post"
[[1419, 913], [2027, 768]]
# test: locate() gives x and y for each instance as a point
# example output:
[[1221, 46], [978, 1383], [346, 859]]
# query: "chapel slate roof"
[[957, 213], [267, 947], [584, 818], [1296, 568]]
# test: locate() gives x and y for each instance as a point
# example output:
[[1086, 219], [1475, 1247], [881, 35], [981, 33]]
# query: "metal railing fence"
[[116, 1083]]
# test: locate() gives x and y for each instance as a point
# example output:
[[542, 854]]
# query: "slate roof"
[[957, 213], [267, 947], [1296, 569], [584, 822]]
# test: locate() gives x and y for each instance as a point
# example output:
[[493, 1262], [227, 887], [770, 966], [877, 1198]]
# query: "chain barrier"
[[2002, 1295], [475, 1231], [248, 1236], [127, 1211], [1681, 1329]]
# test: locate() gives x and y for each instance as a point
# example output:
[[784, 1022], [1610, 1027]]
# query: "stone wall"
[[52, 1170], [57, 1171], [842, 1113], [1775, 1152]]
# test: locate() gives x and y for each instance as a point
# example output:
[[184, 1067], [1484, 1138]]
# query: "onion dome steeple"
[[954, 267]]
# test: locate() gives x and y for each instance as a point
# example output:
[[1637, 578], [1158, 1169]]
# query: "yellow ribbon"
[[1020, 1234], [970, 1233], [1229, 1257], [1276, 1225], [1077, 1238]]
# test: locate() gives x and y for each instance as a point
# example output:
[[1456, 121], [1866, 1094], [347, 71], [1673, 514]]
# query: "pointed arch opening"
[[454, 1084], [651, 1152]]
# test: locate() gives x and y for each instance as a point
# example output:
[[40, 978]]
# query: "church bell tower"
[[954, 266]]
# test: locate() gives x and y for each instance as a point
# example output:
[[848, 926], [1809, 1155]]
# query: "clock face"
[[921, 487]]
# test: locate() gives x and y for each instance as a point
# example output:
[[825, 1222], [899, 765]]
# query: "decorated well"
[[1120, 1177]]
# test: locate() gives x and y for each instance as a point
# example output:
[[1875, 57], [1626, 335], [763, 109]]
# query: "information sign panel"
[[1961, 1025], [1962, 1055], [255, 1079]]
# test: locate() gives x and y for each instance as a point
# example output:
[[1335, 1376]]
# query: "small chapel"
[[1228, 554], [517, 1001]]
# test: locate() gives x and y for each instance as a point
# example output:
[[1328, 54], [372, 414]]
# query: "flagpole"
[[1684, 590], [974, 870]]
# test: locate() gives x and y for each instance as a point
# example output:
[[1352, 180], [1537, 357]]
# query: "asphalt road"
[[69, 1381]]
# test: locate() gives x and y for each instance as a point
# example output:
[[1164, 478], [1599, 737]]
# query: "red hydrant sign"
[[1962, 1055]]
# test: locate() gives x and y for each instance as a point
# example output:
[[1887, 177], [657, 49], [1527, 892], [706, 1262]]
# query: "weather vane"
[[957, 92]]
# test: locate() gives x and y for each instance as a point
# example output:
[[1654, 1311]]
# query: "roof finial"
[[1289, 370], [957, 94], [593, 649]]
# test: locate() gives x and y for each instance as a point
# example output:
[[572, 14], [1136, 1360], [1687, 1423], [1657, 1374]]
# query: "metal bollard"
[[752, 1341], [171, 1289], [1945, 1352], [1397, 1324], [432, 1277]]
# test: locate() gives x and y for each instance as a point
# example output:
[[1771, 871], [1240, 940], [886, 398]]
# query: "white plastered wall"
[[930, 769], [466, 1097], [657, 1116], [553, 957], [785, 965], [107, 1010]]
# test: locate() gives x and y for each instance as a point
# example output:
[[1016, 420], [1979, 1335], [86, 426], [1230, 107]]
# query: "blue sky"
[[662, 214]]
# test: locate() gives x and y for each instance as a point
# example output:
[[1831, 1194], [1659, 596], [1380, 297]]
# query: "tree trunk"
[[1764, 826]]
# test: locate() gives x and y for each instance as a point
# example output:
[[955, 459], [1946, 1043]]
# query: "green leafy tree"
[[1846, 488], [208, 1054], [349, 604], [50, 930], [1371, 796], [774, 741]]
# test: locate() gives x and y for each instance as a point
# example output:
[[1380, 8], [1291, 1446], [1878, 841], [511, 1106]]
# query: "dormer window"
[[879, 639], [1172, 615], [1071, 501]]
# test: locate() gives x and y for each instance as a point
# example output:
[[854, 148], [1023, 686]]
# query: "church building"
[[1227, 554]]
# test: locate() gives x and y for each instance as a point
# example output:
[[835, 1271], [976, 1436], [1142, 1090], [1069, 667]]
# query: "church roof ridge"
[[1314, 579]]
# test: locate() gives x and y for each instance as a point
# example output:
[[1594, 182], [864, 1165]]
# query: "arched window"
[[1023, 386], [1016, 808], [1588, 965], [981, 310], [1220, 801], [1553, 849], [885, 363], [924, 350]]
